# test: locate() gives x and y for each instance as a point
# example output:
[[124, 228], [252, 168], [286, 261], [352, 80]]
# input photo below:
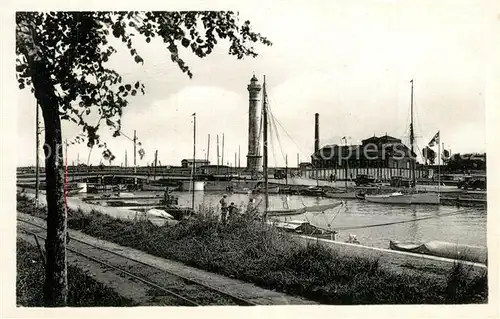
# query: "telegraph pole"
[[37, 166], [135, 155]]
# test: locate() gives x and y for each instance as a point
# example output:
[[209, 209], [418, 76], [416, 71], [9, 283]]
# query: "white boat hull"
[[408, 199], [435, 188], [188, 186], [344, 195]]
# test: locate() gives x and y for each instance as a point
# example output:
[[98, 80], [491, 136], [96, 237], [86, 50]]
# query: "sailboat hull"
[[303, 210], [343, 195], [407, 199], [188, 186]]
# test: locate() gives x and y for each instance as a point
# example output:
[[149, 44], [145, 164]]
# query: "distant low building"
[[186, 163], [374, 152], [215, 169], [305, 165]]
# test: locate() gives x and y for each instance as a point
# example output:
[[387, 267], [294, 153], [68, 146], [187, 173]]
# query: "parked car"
[[472, 182], [361, 180], [279, 174]]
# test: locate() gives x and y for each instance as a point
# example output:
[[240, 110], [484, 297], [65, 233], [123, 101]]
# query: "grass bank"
[[83, 290], [262, 255]]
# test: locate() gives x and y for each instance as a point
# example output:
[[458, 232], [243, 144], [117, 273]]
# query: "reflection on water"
[[468, 228]]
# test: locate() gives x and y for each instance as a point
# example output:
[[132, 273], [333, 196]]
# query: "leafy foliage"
[[75, 48]]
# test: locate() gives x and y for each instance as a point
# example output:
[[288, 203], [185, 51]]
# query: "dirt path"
[[142, 293]]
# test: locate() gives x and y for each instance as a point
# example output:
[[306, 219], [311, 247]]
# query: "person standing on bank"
[[232, 210], [224, 208]]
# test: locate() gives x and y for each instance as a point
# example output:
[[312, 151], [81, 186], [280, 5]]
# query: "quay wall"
[[77, 204], [393, 260]]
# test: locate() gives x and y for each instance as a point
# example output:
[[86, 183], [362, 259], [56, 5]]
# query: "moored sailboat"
[[413, 196], [286, 211]]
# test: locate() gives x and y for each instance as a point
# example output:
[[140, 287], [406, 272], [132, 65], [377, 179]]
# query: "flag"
[[429, 154], [141, 153], [446, 153], [435, 140]]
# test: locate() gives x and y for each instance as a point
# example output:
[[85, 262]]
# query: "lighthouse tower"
[[254, 164]]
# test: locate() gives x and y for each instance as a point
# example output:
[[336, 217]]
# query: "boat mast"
[[412, 137], [439, 165], [222, 160], [194, 159], [218, 156], [286, 169], [264, 117], [208, 148]]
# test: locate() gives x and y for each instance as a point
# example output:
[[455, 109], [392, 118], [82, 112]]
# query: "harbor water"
[[468, 226]]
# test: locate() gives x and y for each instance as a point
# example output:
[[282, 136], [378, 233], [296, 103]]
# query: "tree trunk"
[[56, 284]]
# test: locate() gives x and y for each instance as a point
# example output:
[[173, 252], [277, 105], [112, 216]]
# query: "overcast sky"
[[349, 61]]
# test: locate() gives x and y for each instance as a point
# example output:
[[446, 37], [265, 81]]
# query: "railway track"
[[186, 291]]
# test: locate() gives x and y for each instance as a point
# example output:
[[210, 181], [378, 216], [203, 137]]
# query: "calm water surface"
[[467, 228]]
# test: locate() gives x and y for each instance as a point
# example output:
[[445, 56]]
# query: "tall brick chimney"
[[316, 132]]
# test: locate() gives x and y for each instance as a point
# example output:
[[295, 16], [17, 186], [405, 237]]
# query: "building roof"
[[328, 149], [382, 140], [390, 144]]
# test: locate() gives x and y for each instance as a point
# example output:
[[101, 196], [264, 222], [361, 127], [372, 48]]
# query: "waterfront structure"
[[374, 152], [305, 165], [188, 163], [254, 159]]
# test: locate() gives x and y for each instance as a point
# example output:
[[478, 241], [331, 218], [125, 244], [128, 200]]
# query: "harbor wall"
[[392, 259], [120, 213]]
